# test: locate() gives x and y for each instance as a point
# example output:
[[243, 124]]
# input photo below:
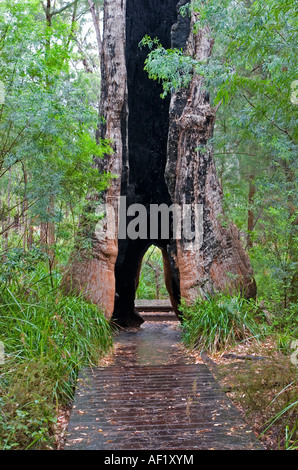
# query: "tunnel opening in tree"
[[150, 280], [162, 153], [143, 179]]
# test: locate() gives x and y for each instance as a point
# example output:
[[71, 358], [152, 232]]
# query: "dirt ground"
[[261, 382]]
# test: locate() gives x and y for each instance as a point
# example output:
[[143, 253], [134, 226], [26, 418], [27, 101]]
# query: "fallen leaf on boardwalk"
[[203, 430]]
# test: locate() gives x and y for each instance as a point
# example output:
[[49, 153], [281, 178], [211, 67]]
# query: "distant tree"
[[48, 118]]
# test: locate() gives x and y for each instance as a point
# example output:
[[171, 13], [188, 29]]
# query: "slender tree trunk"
[[156, 272], [30, 233], [250, 212], [8, 197], [43, 234], [291, 291], [47, 230], [6, 221], [96, 27]]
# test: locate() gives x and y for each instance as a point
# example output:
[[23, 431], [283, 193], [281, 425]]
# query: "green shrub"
[[67, 332], [220, 321], [47, 339], [28, 412]]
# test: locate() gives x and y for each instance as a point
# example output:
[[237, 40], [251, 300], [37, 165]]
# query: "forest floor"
[[259, 380]]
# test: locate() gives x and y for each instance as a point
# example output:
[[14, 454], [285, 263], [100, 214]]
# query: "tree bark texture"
[[161, 155], [92, 271], [221, 263]]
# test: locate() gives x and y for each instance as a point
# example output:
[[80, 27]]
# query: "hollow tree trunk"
[[161, 155], [92, 271], [220, 264]]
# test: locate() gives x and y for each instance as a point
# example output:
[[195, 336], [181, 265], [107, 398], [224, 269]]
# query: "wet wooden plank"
[[157, 407], [154, 397], [162, 305]]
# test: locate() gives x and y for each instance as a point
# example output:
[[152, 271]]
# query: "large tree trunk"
[[220, 263], [92, 271], [162, 155]]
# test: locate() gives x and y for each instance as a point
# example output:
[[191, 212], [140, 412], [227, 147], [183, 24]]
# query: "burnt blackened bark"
[[148, 124], [220, 262], [92, 271], [161, 155]]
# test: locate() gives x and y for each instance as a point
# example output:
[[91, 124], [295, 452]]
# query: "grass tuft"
[[47, 340], [217, 322]]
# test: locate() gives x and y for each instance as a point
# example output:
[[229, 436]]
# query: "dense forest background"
[[49, 114]]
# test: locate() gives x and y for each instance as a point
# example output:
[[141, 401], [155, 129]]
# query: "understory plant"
[[47, 339], [214, 323], [288, 417]]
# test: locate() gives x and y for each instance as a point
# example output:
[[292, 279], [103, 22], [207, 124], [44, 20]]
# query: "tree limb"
[[96, 27], [57, 12], [268, 119]]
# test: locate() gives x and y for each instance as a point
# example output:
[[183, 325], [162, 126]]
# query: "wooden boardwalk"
[[153, 397], [162, 305]]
